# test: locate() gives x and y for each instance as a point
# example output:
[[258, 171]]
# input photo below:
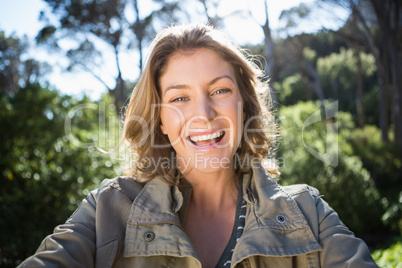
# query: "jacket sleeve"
[[340, 248], [72, 244]]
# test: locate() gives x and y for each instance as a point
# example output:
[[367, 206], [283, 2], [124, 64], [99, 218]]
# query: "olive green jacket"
[[128, 224]]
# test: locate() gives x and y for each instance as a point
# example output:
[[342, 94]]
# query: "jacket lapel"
[[274, 224], [153, 228]]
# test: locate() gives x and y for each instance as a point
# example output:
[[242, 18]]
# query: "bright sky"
[[22, 18]]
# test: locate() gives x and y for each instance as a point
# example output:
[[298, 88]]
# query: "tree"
[[215, 19], [339, 71], [381, 19], [357, 31], [116, 24], [11, 50], [45, 170], [388, 17], [268, 50], [13, 70], [376, 25], [298, 53]]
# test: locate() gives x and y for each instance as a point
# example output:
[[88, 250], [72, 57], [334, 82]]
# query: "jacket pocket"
[[106, 253]]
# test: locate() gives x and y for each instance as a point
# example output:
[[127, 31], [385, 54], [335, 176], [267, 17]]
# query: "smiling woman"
[[209, 101], [198, 194], [199, 83]]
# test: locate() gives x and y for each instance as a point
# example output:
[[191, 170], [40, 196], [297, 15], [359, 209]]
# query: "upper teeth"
[[207, 137]]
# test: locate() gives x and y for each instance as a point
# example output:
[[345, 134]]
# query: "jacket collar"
[[273, 220], [274, 226], [153, 227]]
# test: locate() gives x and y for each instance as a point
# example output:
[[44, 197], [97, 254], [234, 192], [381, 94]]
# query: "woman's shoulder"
[[303, 194], [311, 204], [121, 185], [301, 189], [306, 197]]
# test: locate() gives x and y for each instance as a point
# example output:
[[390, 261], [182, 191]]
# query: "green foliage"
[[15, 68], [322, 43], [10, 51], [390, 257], [338, 74], [382, 161], [309, 54], [339, 174], [337, 69], [292, 91], [44, 175]]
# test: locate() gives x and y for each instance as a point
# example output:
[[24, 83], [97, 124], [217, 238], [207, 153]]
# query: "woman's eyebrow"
[[179, 86], [184, 86], [213, 81]]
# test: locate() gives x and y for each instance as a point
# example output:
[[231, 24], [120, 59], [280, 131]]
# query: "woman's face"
[[202, 110]]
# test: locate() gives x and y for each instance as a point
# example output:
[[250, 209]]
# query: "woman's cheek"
[[172, 127]]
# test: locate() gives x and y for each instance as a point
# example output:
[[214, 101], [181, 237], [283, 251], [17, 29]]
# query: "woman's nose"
[[203, 110]]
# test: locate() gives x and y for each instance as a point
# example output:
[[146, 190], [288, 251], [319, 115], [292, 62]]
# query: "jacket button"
[[149, 236], [280, 218]]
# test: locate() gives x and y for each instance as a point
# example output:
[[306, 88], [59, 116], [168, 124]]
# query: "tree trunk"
[[309, 96], [269, 54], [140, 64], [312, 78], [119, 91], [387, 13], [381, 75], [396, 86], [360, 90], [138, 29]]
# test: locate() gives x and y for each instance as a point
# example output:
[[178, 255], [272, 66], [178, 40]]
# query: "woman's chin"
[[206, 164]]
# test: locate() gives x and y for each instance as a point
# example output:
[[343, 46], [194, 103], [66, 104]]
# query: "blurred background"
[[67, 68]]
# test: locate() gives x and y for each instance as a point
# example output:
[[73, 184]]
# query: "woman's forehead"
[[200, 62]]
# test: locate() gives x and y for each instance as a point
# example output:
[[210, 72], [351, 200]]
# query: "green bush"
[[382, 161], [390, 257], [314, 151], [43, 174]]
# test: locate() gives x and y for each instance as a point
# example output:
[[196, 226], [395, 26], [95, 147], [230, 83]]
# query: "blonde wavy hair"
[[142, 119]]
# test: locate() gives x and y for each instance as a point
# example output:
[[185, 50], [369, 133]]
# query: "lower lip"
[[207, 147]]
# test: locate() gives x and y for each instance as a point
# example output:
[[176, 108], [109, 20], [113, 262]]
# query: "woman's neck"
[[213, 192]]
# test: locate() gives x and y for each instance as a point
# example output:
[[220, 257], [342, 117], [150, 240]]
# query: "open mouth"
[[208, 139]]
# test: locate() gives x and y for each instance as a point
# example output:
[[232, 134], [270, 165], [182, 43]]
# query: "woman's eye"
[[223, 90], [179, 99]]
